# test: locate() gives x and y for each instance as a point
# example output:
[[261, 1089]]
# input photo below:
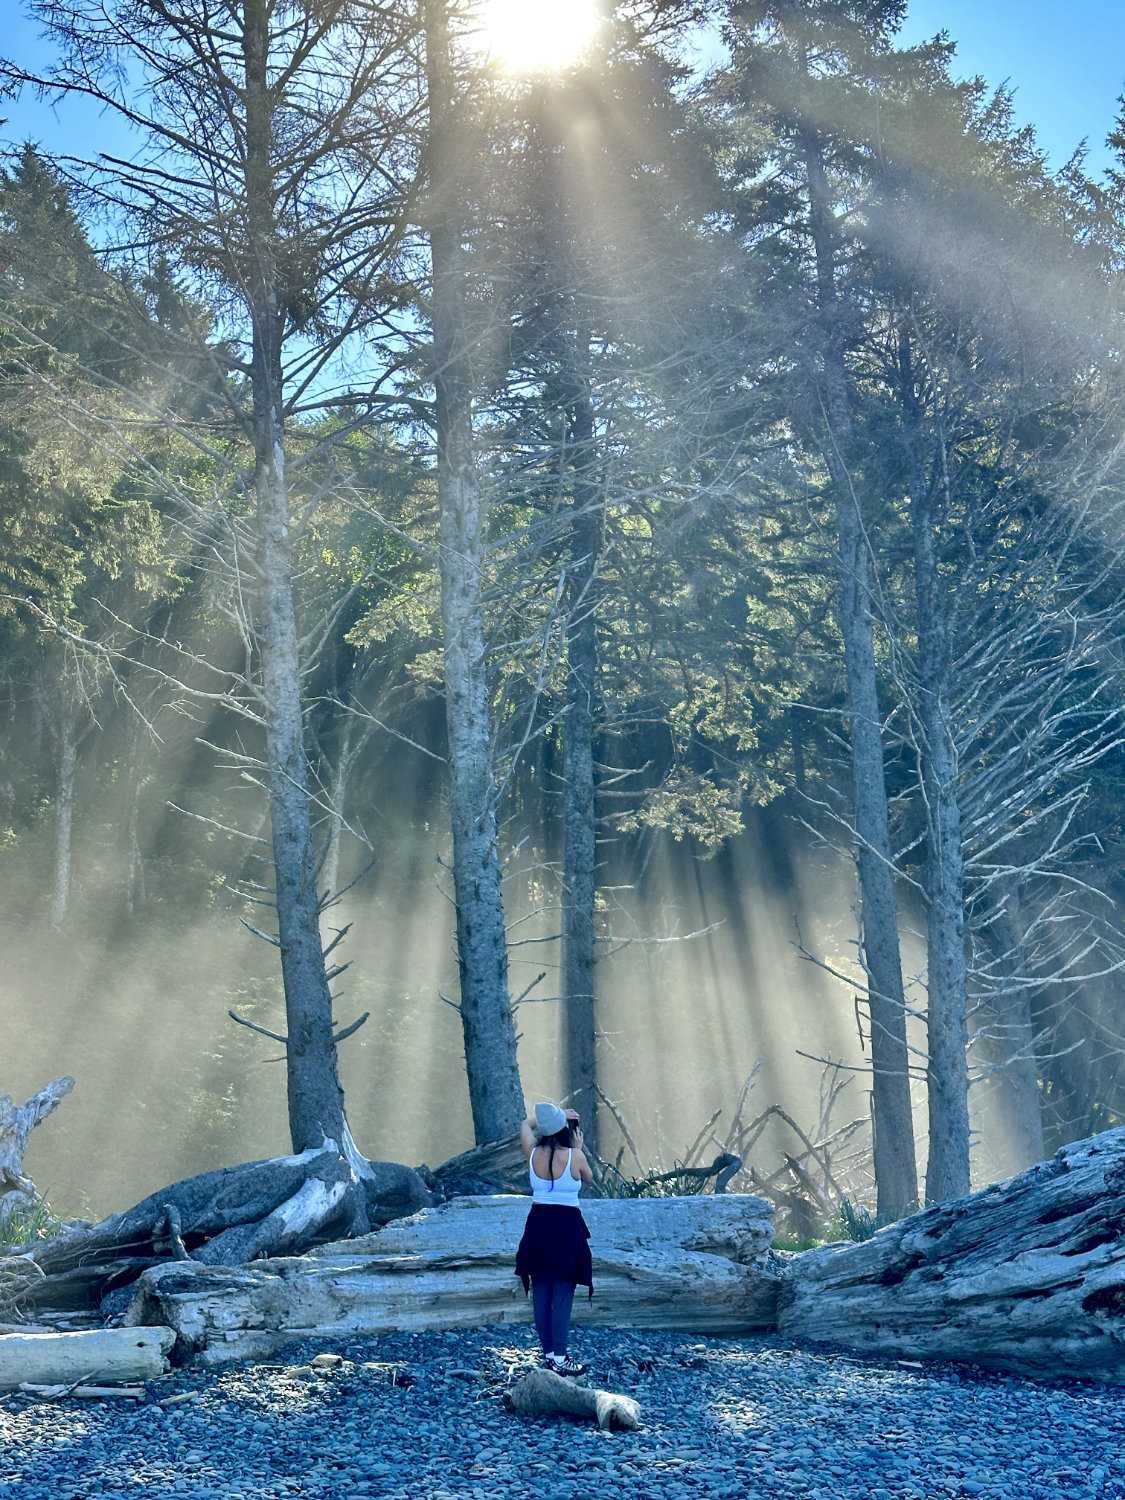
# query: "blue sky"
[[1065, 60]]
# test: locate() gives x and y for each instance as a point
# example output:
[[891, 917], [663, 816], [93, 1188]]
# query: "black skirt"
[[555, 1247]]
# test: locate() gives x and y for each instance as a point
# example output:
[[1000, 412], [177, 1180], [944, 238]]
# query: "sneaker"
[[564, 1366]]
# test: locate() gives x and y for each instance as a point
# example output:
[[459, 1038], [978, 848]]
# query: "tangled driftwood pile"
[[1028, 1275], [700, 1264], [227, 1217]]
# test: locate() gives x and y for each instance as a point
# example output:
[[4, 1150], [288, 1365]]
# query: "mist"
[[702, 980], [715, 376]]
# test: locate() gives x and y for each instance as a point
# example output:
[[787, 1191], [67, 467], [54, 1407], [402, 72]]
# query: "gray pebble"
[[723, 1418]]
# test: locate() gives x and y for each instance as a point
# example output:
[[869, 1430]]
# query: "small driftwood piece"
[[85, 1392], [545, 1394], [100, 1355], [175, 1231], [1028, 1275]]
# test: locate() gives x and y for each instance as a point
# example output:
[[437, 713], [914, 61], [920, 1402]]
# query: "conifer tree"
[[256, 178]]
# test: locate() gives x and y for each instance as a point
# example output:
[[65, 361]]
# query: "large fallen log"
[[103, 1354], [1028, 1275], [228, 1216], [701, 1264]]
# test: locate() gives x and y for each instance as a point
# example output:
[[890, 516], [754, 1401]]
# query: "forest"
[[597, 581]]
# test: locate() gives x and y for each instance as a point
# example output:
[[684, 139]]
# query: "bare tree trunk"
[[330, 866], [947, 1170], [134, 859], [896, 1173], [66, 761], [1013, 1037], [495, 1092], [316, 1100], [579, 1032]]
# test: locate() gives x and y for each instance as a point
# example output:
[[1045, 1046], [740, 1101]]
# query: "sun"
[[524, 36]]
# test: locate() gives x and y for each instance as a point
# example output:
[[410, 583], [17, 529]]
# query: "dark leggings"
[[552, 1301]]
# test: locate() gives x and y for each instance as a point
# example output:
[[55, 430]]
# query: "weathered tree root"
[[543, 1393], [16, 1125]]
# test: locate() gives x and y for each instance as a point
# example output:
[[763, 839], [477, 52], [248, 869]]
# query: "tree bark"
[[66, 761], [579, 1029], [1013, 1035], [947, 1170], [316, 1100], [496, 1167], [896, 1173], [495, 1093]]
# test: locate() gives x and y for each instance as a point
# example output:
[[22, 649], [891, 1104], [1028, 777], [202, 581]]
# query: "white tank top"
[[562, 1190]]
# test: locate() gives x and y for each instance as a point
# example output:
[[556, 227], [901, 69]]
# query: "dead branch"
[[253, 1026]]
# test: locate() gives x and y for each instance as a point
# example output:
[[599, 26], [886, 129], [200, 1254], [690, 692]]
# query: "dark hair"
[[561, 1140]]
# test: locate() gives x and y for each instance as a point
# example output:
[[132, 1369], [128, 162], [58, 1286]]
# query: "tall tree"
[[998, 468], [256, 178], [594, 186], [489, 1032], [804, 66]]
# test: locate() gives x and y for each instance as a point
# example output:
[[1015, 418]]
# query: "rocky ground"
[[423, 1418]]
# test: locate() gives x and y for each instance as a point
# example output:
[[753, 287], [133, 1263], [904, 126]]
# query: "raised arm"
[[578, 1160], [527, 1136]]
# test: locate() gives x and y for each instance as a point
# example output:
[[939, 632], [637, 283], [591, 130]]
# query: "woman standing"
[[554, 1253]]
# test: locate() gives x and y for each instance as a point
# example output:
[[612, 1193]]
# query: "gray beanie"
[[549, 1119]]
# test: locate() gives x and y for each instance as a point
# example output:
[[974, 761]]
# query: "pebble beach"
[[423, 1417]]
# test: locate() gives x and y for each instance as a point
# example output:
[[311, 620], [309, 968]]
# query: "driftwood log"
[[69, 1358], [1028, 1275], [543, 1394], [700, 1264], [225, 1217]]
